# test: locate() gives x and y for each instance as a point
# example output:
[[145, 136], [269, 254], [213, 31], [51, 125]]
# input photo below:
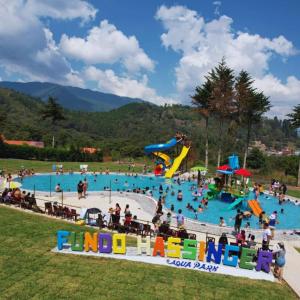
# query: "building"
[[89, 150], [259, 145], [28, 143], [287, 151]]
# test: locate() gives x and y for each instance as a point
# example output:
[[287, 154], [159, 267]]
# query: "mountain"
[[69, 97]]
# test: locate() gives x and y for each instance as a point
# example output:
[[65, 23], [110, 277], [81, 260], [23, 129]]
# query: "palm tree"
[[222, 98], [201, 99], [294, 119], [54, 112], [251, 106]]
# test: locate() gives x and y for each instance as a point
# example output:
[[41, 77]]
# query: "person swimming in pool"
[[179, 195]]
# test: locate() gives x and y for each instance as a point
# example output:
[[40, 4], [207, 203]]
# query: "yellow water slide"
[[165, 157], [177, 162]]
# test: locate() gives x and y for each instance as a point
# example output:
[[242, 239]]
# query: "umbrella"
[[12, 185], [243, 172], [224, 168], [198, 168]]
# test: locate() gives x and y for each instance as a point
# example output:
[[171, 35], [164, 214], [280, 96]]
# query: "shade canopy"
[[93, 210], [243, 172]]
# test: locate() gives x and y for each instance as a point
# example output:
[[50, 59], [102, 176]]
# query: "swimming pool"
[[290, 219]]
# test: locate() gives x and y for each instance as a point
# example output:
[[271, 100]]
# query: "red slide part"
[[158, 171]]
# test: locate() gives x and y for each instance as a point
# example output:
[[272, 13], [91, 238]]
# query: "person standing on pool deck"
[[267, 235], [272, 222], [85, 187], [117, 211], [180, 218], [80, 189], [238, 221], [279, 260]]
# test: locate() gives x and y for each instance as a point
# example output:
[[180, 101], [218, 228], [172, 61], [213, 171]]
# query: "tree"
[[3, 117], [294, 118], [251, 106], [256, 159], [222, 98], [201, 99], [54, 112]]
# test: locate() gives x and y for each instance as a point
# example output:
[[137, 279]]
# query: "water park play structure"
[[164, 164], [229, 189], [226, 188]]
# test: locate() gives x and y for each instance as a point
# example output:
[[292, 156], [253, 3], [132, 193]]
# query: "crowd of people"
[[21, 198]]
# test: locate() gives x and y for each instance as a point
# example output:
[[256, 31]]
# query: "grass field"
[[294, 193], [298, 249], [30, 271], [14, 165]]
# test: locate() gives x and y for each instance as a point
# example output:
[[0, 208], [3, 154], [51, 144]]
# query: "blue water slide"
[[235, 203], [161, 147]]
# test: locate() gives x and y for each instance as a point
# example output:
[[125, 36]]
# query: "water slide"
[[166, 158], [177, 162], [235, 203], [161, 147], [255, 207]]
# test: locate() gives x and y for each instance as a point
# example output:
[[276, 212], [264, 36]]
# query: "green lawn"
[[14, 165], [294, 193], [298, 249], [30, 271]]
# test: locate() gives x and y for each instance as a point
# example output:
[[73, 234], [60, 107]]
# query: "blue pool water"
[[290, 219]]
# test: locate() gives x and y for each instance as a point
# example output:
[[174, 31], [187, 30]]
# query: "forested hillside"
[[69, 97], [126, 130]]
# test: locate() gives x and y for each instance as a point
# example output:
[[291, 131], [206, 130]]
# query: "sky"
[[155, 50]]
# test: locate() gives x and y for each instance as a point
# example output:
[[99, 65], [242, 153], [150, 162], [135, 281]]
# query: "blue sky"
[[155, 50]]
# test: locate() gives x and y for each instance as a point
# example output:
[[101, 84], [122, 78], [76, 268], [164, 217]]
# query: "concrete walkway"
[[291, 273]]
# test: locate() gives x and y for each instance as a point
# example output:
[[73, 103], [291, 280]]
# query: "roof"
[[36, 144], [90, 150]]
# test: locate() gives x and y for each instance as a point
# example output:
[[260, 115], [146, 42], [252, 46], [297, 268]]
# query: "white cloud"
[[27, 48], [107, 44], [62, 9], [108, 81], [217, 7], [182, 25], [284, 95], [203, 44]]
